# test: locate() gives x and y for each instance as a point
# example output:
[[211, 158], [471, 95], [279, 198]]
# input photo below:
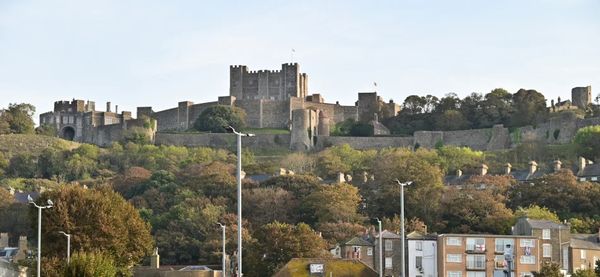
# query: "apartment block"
[[483, 255]]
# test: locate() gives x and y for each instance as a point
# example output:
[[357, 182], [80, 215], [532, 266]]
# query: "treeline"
[[182, 193], [525, 107]]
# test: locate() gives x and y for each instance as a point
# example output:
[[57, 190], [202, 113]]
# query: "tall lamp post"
[[68, 246], [239, 193], [402, 185], [39, 250], [224, 241], [380, 249]]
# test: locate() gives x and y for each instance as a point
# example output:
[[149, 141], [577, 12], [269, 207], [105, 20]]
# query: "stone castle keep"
[[277, 99]]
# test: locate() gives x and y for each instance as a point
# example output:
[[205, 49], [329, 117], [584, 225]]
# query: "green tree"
[[537, 212], [455, 158], [216, 118], [264, 205], [46, 130], [100, 220], [91, 264], [496, 108], [529, 108], [339, 232], [3, 164], [277, 243], [22, 165], [19, 118], [548, 270], [587, 142]]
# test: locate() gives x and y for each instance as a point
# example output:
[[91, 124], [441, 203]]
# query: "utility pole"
[[402, 185], [380, 250]]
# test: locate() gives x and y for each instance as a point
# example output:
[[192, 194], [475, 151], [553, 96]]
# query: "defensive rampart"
[[228, 141]]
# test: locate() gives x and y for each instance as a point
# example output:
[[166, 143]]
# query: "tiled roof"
[[358, 241], [545, 224], [388, 235], [21, 197], [585, 241], [591, 170], [259, 178], [523, 175], [416, 235], [455, 179]]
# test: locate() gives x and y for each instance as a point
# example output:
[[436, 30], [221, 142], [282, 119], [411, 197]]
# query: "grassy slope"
[[32, 144]]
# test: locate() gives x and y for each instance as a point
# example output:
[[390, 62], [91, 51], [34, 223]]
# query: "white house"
[[421, 255]]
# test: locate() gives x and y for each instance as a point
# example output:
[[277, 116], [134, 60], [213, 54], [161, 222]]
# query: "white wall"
[[429, 258]]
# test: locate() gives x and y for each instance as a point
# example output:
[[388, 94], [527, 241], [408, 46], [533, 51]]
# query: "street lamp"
[[39, 250], [239, 193], [380, 250], [68, 245], [402, 185], [224, 262]]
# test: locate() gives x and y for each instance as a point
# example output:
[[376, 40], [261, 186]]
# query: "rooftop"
[[585, 241], [545, 224]]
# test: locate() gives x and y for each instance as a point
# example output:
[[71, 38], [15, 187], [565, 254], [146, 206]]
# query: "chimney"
[[340, 178], [22, 252], [365, 177], [458, 173], [281, 172], [582, 164], [483, 168], [116, 108], [3, 240], [556, 165], [507, 168], [23, 242], [108, 107], [348, 178], [155, 259], [532, 167]]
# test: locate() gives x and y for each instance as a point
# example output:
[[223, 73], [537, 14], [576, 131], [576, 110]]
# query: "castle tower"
[[267, 84], [581, 97]]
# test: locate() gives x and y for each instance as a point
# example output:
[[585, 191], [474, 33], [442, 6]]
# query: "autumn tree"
[[100, 220], [340, 232], [474, 211], [333, 203], [548, 270], [92, 264], [529, 108], [422, 197], [277, 243], [264, 205]]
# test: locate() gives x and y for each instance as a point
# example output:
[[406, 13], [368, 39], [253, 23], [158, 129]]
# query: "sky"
[[157, 53]]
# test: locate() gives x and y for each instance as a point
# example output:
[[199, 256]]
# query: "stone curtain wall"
[[228, 141], [364, 142], [275, 114], [196, 110], [167, 119], [253, 110]]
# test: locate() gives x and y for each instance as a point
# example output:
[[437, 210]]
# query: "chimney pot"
[[507, 168], [532, 167], [458, 173], [483, 168], [557, 165], [108, 107]]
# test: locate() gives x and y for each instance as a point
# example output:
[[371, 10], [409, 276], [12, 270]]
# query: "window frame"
[[522, 259], [389, 263], [454, 241], [449, 260], [546, 234], [389, 245], [548, 247]]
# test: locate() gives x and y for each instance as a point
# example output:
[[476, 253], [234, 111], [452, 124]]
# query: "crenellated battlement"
[[267, 84]]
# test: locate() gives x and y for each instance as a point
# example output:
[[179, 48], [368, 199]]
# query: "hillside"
[[34, 144]]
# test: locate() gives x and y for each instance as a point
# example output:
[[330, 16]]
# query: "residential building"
[[325, 267], [358, 249], [554, 238], [588, 171], [421, 254], [584, 251], [483, 255], [392, 254]]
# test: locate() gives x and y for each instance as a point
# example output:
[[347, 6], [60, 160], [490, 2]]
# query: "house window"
[[454, 273], [475, 261], [582, 179], [527, 243], [583, 254], [454, 258], [594, 179], [499, 261], [388, 262], [526, 274], [476, 244], [475, 273], [356, 252], [546, 234], [527, 259], [388, 245], [454, 241], [370, 251], [501, 244], [547, 250], [419, 245], [419, 262]]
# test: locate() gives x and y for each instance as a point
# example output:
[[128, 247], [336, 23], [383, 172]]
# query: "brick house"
[[584, 251], [359, 249], [483, 255], [554, 238], [392, 254]]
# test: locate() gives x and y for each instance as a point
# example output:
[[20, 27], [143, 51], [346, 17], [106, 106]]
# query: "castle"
[[271, 99], [279, 99]]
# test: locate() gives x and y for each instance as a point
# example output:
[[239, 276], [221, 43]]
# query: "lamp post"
[[224, 262], [239, 193], [380, 249], [402, 185], [39, 250], [68, 246]]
